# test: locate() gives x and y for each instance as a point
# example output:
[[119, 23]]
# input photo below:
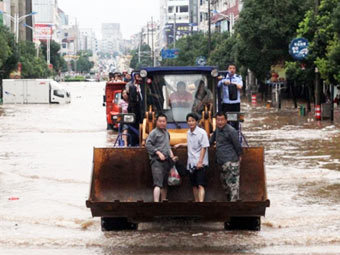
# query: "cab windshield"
[[176, 95]]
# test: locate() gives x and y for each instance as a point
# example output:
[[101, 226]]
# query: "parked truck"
[[121, 186], [34, 91]]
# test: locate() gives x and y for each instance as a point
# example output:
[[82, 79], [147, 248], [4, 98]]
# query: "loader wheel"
[[243, 223], [117, 224]]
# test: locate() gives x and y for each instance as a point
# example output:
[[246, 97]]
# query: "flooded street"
[[45, 171]]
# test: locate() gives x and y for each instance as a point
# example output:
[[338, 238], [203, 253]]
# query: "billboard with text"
[[42, 31]]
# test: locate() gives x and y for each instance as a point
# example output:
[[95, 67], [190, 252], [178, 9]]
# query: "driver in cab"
[[181, 98]]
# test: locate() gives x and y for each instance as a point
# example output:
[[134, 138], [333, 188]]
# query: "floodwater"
[[45, 170]]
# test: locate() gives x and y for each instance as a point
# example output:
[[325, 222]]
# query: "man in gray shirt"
[[161, 157], [228, 155]]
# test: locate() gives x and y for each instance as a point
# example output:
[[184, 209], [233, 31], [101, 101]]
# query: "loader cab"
[[177, 91]]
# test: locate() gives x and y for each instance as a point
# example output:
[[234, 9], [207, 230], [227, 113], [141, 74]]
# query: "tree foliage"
[[58, 62], [196, 45], [8, 51], [322, 31], [144, 55], [264, 31], [32, 66], [83, 63]]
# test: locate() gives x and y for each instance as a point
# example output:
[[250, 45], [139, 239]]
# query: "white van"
[[34, 91]]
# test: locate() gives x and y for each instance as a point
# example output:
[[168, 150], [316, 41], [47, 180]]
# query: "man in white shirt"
[[197, 164]]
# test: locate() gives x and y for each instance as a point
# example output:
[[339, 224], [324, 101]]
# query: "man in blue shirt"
[[231, 98]]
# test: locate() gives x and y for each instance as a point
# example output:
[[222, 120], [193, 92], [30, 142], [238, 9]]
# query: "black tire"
[[243, 223], [117, 224]]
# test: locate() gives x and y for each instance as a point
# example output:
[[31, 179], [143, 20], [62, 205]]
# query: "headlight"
[[235, 116], [232, 116], [143, 73], [214, 73], [129, 118]]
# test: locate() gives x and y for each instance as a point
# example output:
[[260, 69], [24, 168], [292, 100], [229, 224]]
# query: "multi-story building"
[[203, 15], [70, 35], [224, 14], [87, 40], [45, 17], [178, 18], [111, 38], [17, 8]]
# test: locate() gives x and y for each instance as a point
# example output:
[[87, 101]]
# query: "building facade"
[[17, 8], [47, 20], [178, 18], [70, 38], [223, 14], [111, 38], [87, 40]]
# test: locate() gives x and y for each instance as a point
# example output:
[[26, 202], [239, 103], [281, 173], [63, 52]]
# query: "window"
[[118, 98], [175, 94], [170, 9], [58, 93], [183, 8]]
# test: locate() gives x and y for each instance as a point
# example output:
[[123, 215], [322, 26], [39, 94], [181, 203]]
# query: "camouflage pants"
[[230, 178]]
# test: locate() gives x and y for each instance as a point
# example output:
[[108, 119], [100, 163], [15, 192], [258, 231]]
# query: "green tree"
[[57, 61], [5, 49], [264, 31], [8, 51], [84, 65], [190, 47], [326, 41], [321, 28], [224, 50], [145, 57], [32, 66], [193, 46]]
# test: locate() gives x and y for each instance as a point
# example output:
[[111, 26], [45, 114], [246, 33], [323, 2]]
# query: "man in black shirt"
[[228, 155]]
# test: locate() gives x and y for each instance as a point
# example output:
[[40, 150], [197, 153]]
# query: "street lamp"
[[16, 20], [37, 43]]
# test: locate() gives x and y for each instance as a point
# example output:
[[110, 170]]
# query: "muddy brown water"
[[45, 171]]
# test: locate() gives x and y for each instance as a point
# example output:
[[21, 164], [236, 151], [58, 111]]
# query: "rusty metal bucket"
[[122, 187]]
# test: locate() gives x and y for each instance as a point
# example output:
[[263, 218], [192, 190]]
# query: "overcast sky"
[[131, 14]]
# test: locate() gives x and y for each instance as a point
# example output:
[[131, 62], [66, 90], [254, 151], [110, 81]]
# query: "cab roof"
[[179, 69]]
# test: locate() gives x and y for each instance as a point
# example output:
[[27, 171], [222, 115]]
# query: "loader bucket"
[[122, 187]]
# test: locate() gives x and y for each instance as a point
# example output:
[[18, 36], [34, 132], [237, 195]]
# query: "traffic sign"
[[298, 48], [201, 61], [169, 53]]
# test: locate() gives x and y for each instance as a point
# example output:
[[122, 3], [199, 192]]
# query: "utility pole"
[[332, 102], [141, 39], [147, 33], [48, 52], [175, 29], [209, 30], [192, 22], [317, 75], [152, 48]]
